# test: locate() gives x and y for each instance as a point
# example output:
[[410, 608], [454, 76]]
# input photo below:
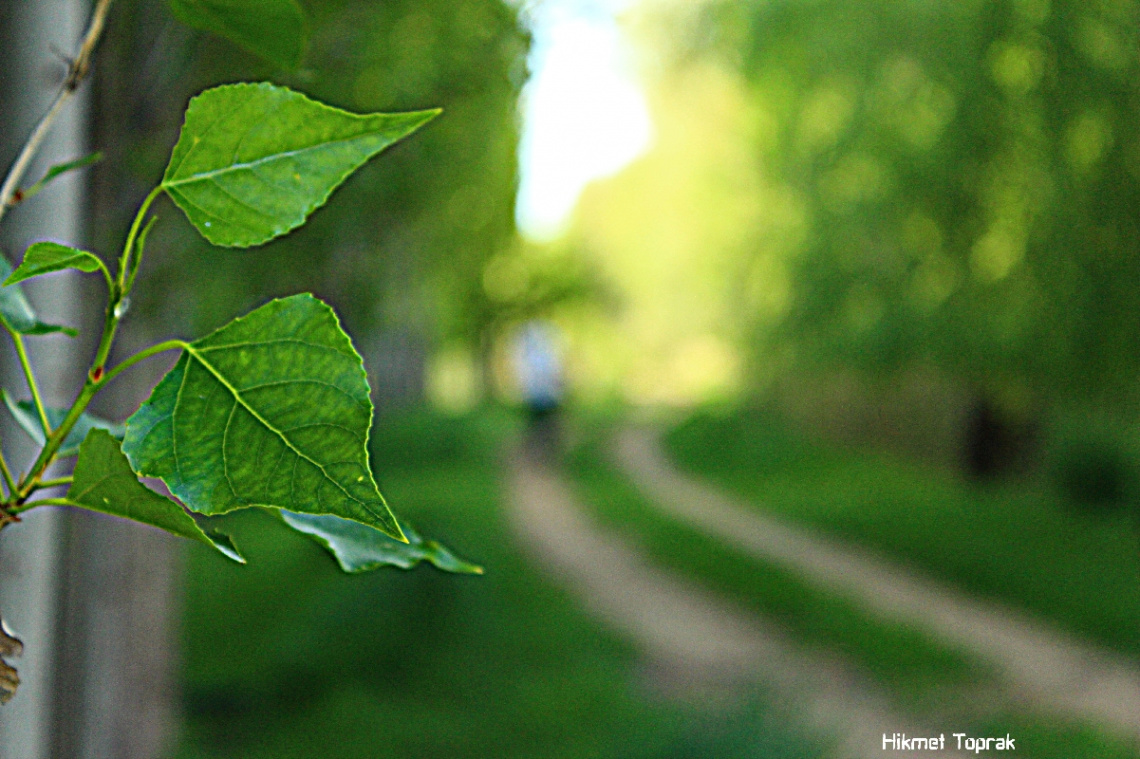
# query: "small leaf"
[[358, 548], [272, 29], [254, 160], [104, 482], [60, 169], [25, 414], [16, 313], [46, 257], [271, 410]]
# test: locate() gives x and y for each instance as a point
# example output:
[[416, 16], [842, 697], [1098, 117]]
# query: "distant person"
[[538, 365]]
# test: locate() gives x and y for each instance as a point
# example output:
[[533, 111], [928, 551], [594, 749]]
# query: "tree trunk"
[[91, 596], [30, 556]]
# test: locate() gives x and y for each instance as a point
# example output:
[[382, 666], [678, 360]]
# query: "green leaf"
[[104, 482], [16, 313], [46, 257], [358, 548], [254, 160], [272, 29], [25, 414], [270, 410], [60, 169]]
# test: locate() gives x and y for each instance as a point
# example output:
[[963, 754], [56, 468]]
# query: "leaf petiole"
[[125, 275], [58, 482], [142, 355], [30, 377], [8, 480], [21, 508]]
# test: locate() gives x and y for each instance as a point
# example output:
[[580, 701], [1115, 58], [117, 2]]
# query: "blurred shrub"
[[1093, 462]]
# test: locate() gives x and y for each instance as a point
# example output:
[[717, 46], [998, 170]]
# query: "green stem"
[[96, 379], [142, 355], [51, 447], [30, 377], [44, 502], [11, 483], [54, 483], [90, 388], [129, 246]]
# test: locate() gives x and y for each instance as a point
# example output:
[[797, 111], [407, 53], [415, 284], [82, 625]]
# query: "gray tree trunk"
[[91, 597], [30, 553]]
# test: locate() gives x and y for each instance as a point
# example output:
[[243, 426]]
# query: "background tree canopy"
[[970, 178]]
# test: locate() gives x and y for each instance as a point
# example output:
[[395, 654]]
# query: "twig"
[[77, 71]]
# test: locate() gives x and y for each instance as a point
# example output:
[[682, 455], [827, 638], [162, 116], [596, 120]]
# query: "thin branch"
[[30, 378], [59, 482], [21, 508], [153, 350], [76, 73], [8, 479]]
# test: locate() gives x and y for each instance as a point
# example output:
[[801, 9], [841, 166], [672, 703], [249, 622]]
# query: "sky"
[[585, 115]]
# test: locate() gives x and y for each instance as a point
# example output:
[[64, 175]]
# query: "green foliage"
[[358, 548], [968, 179], [254, 160], [271, 410], [46, 257], [25, 414], [400, 252], [16, 314], [276, 30], [59, 170], [104, 482]]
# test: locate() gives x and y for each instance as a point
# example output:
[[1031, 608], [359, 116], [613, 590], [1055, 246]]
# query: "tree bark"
[[91, 597], [30, 556]]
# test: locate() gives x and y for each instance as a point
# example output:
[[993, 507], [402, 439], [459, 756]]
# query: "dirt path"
[[703, 644], [1043, 666]]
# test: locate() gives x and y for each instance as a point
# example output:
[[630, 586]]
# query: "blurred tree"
[[970, 173]]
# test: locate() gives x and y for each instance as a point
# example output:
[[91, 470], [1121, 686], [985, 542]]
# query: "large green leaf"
[[358, 548], [254, 160], [272, 29], [105, 483], [25, 414], [45, 257], [15, 311], [271, 410]]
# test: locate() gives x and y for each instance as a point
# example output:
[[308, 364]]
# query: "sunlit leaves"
[[105, 483], [272, 29], [254, 160], [271, 410]]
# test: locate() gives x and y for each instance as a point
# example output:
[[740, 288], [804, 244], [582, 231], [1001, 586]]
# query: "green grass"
[[898, 657], [1015, 542], [287, 657], [923, 677]]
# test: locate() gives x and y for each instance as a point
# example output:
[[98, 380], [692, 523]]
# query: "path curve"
[[685, 630], [1052, 669]]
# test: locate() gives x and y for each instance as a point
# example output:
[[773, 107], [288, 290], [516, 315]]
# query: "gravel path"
[[1043, 666], [704, 644]]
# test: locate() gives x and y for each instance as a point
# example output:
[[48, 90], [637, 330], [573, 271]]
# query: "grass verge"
[[288, 658], [924, 678], [1014, 542]]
